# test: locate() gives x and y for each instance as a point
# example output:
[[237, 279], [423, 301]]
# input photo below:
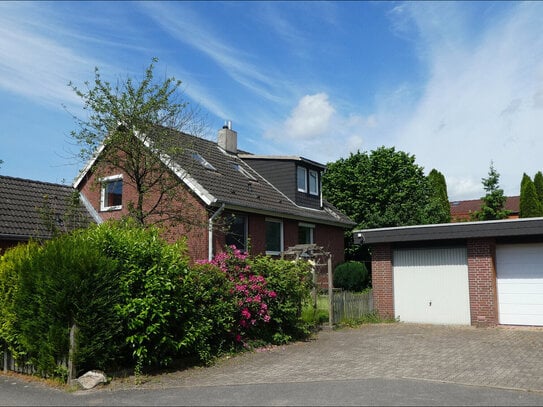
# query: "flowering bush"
[[250, 293]]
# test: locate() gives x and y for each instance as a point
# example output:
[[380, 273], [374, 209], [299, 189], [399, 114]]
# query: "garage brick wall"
[[482, 281], [481, 276], [381, 269]]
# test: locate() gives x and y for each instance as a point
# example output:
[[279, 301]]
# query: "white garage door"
[[431, 285], [520, 283]]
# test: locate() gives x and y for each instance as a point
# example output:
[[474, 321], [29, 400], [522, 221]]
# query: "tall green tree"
[[530, 206], [378, 189], [538, 182], [439, 207], [125, 120], [494, 201]]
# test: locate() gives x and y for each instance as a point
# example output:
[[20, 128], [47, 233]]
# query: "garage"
[[519, 269], [431, 285]]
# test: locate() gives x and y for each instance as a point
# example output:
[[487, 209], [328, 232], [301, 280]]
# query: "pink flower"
[[238, 338], [267, 318], [272, 294], [245, 313]]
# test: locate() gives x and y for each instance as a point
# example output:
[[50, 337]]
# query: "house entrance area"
[[431, 285], [519, 269]]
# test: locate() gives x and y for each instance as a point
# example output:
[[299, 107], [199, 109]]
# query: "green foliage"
[[292, 282], [538, 182], [351, 276], [439, 206], [530, 206], [135, 300], [494, 201]]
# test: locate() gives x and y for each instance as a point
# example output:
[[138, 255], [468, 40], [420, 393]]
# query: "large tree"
[[378, 189], [530, 206], [494, 201], [124, 121]]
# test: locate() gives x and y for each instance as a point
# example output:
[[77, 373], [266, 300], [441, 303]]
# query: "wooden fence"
[[350, 306]]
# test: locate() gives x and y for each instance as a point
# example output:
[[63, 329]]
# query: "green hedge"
[[139, 303]]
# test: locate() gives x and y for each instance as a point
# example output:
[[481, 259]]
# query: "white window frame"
[[280, 222], [313, 189], [311, 228], [301, 188], [103, 183]]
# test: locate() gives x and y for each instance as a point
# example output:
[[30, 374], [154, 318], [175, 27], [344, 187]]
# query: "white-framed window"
[[306, 233], [274, 236], [313, 182], [111, 198], [202, 161], [301, 178]]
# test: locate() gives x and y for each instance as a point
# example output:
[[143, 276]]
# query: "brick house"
[[468, 273], [34, 210], [461, 211], [262, 203]]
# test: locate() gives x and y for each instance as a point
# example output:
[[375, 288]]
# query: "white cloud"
[[316, 129], [481, 102]]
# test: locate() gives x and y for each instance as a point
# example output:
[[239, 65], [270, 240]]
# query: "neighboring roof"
[[463, 209], [26, 206], [448, 231], [225, 184]]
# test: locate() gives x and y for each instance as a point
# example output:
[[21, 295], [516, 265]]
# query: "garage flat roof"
[[447, 231]]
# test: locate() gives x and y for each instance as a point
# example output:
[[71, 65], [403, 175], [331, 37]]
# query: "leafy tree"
[[126, 120], [530, 206], [378, 189], [538, 182], [439, 206], [494, 201], [383, 188]]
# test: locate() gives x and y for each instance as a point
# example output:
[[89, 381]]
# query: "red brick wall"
[[194, 229], [383, 293], [482, 281], [196, 233]]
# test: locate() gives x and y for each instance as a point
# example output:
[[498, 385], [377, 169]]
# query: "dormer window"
[[112, 193], [307, 180], [301, 176], [313, 182]]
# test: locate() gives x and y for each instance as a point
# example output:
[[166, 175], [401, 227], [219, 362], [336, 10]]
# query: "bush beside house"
[[139, 303]]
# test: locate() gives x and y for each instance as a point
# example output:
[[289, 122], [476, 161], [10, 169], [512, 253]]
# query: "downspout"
[[210, 232]]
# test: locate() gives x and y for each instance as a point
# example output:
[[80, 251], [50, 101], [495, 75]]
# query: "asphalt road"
[[378, 391]]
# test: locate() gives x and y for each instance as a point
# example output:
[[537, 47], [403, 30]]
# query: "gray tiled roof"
[[229, 186], [27, 206]]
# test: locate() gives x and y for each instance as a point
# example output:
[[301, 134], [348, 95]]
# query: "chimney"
[[228, 138]]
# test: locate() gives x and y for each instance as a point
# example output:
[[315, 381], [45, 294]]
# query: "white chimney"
[[228, 138]]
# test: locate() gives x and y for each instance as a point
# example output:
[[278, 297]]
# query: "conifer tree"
[[538, 182], [530, 206], [439, 206], [494, 201]]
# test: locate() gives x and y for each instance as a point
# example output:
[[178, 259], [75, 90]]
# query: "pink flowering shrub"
[[250, 292]]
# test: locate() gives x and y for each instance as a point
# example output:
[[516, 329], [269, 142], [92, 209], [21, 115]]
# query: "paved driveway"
[[510, 358]]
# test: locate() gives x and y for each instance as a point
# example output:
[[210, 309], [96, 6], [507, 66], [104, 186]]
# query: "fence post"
[[5, 361], [72, 371], [330, 293]]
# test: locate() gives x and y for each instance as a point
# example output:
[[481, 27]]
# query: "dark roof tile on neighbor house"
[[27, 207]]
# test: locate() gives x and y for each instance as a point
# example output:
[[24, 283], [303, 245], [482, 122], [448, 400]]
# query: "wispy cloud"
[[186, 26], [480, 102]]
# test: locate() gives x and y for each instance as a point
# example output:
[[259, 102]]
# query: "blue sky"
[[456, 84]]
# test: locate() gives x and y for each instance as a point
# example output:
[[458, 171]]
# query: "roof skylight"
[[242, 170], [202, 161]]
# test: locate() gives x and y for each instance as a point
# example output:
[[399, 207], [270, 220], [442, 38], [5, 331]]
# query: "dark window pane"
[[236, 234], [114, 193], [273, 236]]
